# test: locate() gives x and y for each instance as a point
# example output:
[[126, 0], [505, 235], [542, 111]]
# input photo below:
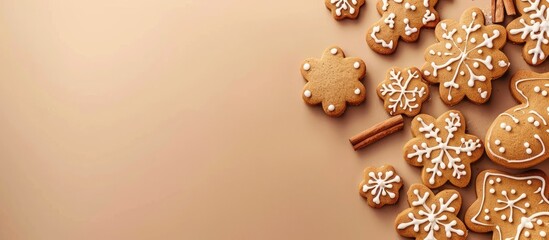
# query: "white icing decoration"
[[386, 4], [409, 6], [331, 108], [306, 67], [380, 185], [530, 119], [511, 210], [357, 91], [502, 63], [307, 93], [463, 60], [406, 97], [434, 218], [344, 5], [356, 65], [408, 30], [428, 17], [537, 29], [483, 94], [444, 159], [333, 51], [384, 44], [390, 20]]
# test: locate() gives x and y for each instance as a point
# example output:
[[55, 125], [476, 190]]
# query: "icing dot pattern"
[[469, 64], [333, 81], [401, 19]]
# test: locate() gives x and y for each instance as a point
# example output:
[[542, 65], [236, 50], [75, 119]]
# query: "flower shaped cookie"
[[510, 206], [334, 81], [403, 91], [531, 28], [466, 59], [443, 149], [380, 186], [344, 8], [400, 19], [431, 216]]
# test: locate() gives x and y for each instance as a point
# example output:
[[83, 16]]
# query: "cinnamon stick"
[[493, 5], [378, 136], [377, 132], [500, 12], [510, 7]]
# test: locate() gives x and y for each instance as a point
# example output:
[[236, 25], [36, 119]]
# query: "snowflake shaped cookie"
[[466, 58], [344, 8], [532, 28], [403, 91], [334, 81], [431, 216], [400, 19], [380, 186], [510, 206], [443, 149], [519, 137]]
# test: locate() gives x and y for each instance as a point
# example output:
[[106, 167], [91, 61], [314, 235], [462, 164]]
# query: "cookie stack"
[[465, 59]]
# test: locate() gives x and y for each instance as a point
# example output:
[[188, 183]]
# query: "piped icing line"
[[381, 184], [383, 43], [344, 5], [400, 19], [515, 119], [522, 93], [536, 136], [536, 29], [406, 98], [539, 115], [444, 159], [521, 226], [465, 63], [437, 216]]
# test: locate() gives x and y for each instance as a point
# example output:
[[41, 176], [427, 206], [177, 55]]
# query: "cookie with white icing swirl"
[[401, 19], [466, 58], [342, 9], [431, 216], [532, 30], [380, 186], [519, 137], [512, 206]]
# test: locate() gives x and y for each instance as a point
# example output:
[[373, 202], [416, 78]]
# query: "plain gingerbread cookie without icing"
[[431, 216], [443, 149], [510, 206], [400, 19], [380, 186], [403, 91], [342, 9], [466, 58], [519, 137], [334, 81], [532, 30]]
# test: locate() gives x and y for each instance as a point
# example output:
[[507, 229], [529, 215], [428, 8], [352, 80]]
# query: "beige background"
[[182, 119]]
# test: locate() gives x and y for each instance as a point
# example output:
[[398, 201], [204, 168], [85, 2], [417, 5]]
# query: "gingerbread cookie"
[[431, 216], [466, 58], [510, 206], [400, 19], [380, 186], [443, 149], [333, 80], [403, 91], [344, 8], [531, 28], [519, 137]]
